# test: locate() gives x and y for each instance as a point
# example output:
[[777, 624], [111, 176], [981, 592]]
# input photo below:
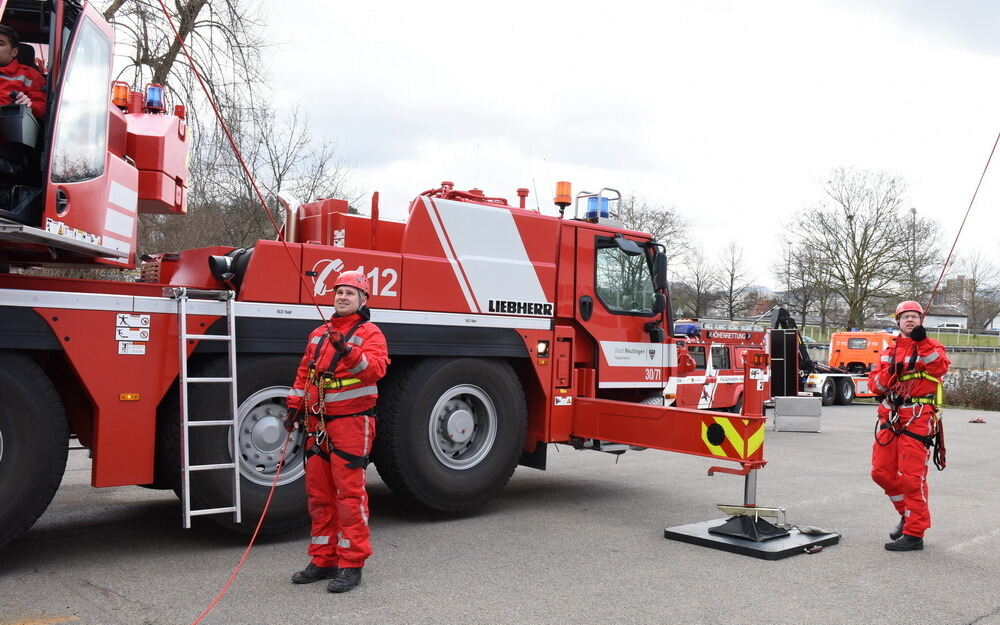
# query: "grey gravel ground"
[[579, 543]]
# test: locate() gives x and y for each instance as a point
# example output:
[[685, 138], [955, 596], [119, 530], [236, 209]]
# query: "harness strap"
[[367, 413]]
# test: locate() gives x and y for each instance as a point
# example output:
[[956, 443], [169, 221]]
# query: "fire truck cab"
[[719, 358]]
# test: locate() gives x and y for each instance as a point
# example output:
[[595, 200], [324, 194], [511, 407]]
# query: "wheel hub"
[[262, 435], [460, 426]]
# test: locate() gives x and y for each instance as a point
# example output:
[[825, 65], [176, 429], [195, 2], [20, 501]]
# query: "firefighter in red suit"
[[908, 380], [19, 84], [333, 397]]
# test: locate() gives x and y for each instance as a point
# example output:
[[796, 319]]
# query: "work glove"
[[918, 334], [340, 344], [293, 418]]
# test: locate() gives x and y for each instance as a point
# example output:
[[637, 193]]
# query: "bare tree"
[[807, 283], [977, 289], [732, 279], [224, 38], [860, 236], [697, 289], [666, 226], [918, 275]]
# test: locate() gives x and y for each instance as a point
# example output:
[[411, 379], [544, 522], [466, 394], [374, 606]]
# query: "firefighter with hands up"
[[333, 398], [909, 431]]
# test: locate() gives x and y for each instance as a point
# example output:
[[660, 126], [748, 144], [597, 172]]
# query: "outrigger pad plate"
[[772, 549]]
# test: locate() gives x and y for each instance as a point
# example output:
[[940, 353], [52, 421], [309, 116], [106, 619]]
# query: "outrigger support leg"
[[746, 521], [747, 532]]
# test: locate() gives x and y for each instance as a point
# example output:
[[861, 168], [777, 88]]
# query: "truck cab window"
[[698, 354], [81, 137], [720, 357], [623, 283]]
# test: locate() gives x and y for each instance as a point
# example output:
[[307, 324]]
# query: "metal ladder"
[[182, 295]]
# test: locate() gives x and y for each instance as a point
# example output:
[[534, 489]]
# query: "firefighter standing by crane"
[[334, 397], [908, 379]]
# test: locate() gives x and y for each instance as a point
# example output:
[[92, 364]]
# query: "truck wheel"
[[829, 392], [34, 441], [845, 392], [737, 408], [450, 431], [262, 384]]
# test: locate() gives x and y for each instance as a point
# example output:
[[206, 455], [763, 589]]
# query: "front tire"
[[829, 392], [262, 383], [34, 443], [450, 431]]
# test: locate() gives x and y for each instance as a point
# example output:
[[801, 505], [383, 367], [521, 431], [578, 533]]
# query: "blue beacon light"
[[154, 97]]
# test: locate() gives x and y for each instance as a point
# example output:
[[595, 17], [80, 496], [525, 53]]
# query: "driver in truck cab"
[[19, 84]]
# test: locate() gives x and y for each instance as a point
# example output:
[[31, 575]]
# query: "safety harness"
[[325, 381], [894, 401]]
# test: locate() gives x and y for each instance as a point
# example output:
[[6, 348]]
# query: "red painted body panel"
[[124, 432], [158, 146]]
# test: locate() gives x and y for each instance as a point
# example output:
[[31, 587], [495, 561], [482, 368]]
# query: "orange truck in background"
[[857, 352]]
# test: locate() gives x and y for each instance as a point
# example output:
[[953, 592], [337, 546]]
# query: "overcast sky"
[[731, 112]]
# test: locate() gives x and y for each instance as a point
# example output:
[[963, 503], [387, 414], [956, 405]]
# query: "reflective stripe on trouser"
[[338, 501], [899, 466]]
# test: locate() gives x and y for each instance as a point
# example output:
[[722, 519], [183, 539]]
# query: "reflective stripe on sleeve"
[[361, 366], [316, 339], [364, 391], [886, 359], [930, 357], [896, 498], [356, 340]]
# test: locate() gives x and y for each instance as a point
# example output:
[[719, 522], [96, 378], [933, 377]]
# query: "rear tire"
[[845, 392], [263, 383], [450, 431], [34, 443]]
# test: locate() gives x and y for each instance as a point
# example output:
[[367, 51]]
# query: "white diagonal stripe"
[[123, 197], [489, 248], [119, 223]]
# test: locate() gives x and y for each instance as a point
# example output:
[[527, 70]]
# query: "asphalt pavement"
[[579, 543]]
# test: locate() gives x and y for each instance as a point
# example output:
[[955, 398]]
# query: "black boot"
[[906, 543], [896, 533], [313, 573], [345, 580]]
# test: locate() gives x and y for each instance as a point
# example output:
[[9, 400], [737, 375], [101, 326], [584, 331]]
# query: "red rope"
[[298, 270], [959, 233], [260, 522], [239, 157]]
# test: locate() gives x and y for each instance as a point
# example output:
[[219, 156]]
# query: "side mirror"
[[659, 302], [628, 246], [660, 271]]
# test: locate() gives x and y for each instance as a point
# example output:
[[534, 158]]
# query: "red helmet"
[[355, 279], [909, 306]]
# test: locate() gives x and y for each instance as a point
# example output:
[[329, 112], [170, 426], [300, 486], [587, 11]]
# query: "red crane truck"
[[508, 329]]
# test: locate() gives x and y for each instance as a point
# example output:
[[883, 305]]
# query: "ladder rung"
[[211, 467], [208, 337], [205, 511], [208, 380], [201, 424]]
